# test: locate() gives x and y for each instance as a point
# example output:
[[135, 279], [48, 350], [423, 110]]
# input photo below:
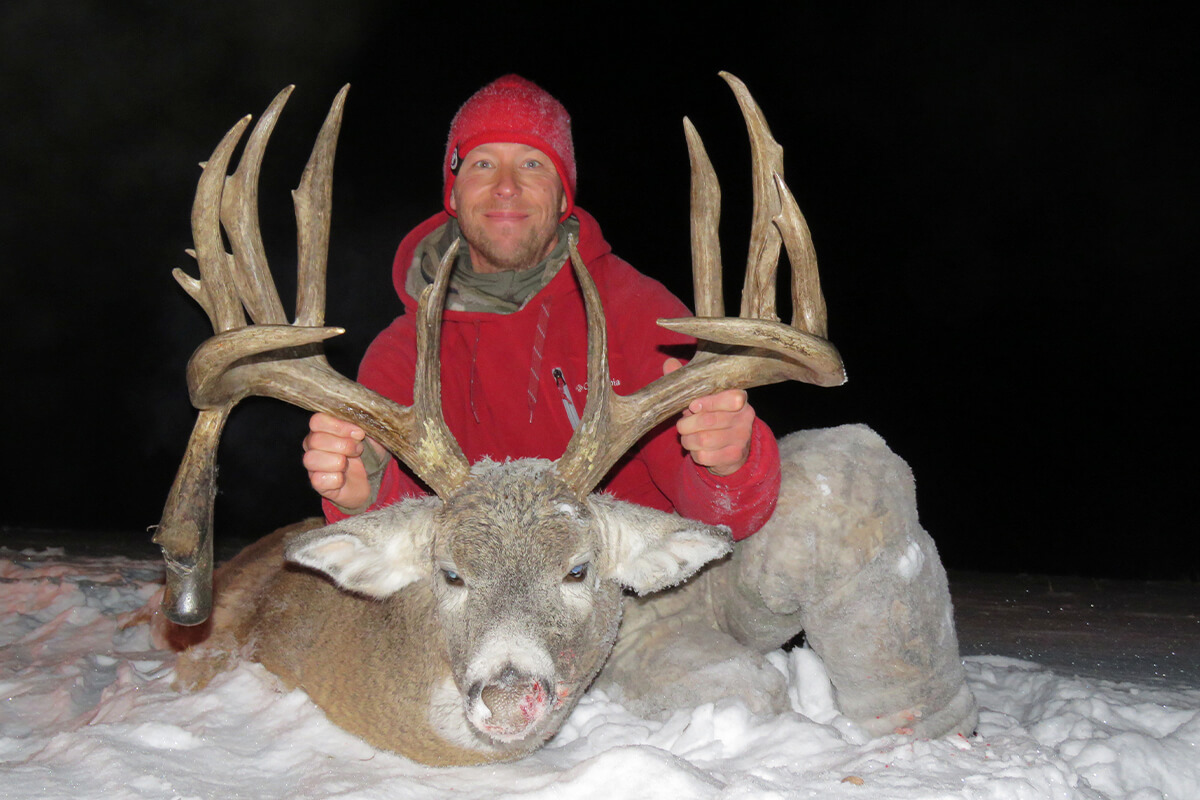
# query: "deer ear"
[[377, 553], [649, 550]]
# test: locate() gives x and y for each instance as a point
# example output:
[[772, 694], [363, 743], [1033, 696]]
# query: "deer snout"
[[510, 706]]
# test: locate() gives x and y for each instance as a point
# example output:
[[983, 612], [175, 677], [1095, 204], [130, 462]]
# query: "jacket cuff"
[[761, 461], [746, 499], [379, 470]]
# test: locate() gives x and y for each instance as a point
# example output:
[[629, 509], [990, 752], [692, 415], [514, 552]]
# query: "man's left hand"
[[716, 429]]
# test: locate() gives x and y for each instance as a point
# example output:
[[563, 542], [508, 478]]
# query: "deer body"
[[452, 632], [340, 648]]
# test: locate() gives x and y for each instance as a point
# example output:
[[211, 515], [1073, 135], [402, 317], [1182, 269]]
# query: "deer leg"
[[845, 559], [671, 654]]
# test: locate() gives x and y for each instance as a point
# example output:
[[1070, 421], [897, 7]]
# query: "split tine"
[[706, 218], [758, 291], [808, 302], [194, 288], [239, 214], [225, 309], [313, 200]]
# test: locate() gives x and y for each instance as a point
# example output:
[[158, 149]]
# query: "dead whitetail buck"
[[464, 627]]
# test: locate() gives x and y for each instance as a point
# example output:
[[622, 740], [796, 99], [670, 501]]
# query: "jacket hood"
[[592, 246]]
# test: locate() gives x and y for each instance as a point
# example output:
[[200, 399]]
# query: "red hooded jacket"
[[511, 384]]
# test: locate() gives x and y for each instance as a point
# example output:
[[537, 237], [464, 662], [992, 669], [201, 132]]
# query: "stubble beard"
[[524, 254]]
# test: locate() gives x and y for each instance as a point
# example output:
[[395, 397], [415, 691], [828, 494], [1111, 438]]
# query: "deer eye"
[[451, 577], [577, 573]]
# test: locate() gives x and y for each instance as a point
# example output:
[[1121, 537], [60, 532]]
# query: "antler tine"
[[222, 304], [753, 350], [239, 215], [594, 445], [185, 532], [706, 218], [766, 161], [313, 200], [610, 423], [808, 302], [442, 461]]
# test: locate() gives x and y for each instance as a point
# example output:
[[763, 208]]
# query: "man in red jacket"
[[514, 335], [845, 558]]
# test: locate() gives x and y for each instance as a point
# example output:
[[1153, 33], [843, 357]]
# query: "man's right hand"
[[333, 453]]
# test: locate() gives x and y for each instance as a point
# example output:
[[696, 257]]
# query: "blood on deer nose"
[[516, 701]]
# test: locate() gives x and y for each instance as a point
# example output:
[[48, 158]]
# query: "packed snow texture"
[[87, 711]]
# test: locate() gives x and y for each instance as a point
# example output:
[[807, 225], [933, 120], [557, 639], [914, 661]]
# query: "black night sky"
[[1002, 198]]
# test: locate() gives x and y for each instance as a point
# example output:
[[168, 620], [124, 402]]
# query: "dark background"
[[1002, 197]]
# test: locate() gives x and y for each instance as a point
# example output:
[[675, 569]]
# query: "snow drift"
[[86, 711]]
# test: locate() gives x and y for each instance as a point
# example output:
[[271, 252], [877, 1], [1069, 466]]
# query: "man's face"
[[508, 198]]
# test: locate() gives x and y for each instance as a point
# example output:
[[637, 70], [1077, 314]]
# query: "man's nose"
[[506, 183]]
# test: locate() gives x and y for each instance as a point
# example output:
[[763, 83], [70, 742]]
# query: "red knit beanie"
[[512, 109]]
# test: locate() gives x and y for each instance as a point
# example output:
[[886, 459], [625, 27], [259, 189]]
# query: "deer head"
[[526, 584]]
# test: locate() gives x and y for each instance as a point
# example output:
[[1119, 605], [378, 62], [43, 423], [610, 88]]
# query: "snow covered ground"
[[86, 711]]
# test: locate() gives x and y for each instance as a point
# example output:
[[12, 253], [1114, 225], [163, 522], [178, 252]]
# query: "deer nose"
[[515, 702]]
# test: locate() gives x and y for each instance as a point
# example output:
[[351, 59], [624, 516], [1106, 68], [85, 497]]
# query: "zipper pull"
[[568, 402]]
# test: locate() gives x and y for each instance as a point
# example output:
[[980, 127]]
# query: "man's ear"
[[562, 203], [649, 550], [377, 553]]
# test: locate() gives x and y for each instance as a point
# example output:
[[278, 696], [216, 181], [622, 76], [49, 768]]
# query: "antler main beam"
[[754, 349]]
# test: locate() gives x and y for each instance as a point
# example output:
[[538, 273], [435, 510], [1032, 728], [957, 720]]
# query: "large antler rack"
[[275, 359], [754, 349]]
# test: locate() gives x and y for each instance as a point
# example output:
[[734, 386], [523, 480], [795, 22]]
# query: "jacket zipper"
[[568, 402]]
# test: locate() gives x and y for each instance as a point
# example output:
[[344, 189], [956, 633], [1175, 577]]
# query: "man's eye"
[[577, 573], [451, 577], [533, 163]]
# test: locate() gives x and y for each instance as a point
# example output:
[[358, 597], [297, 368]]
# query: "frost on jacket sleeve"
[[743, 501]]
